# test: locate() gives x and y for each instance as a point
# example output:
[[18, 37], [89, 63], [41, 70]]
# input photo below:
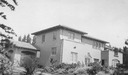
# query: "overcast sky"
[[104, 19]]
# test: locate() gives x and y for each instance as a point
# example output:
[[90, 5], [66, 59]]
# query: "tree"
[[19, 39], [24, 39], [4, 3], [5, 63], [30, 64], [28, 39], [125, 56]]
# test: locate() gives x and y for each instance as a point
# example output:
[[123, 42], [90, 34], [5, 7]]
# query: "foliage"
[[120, 65], [82, 70], [30, 64], [125, 56], [5, 65], [66, 66], [96, 67], [19, 38], [5, 3], [126, 41], [24, 38], [28, 39], [5, 62]]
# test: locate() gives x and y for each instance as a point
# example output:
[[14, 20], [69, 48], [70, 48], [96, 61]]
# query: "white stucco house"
[[67, 45]]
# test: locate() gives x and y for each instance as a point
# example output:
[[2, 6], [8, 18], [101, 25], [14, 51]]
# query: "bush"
[[82, 70], [30, 64], [96, 67]]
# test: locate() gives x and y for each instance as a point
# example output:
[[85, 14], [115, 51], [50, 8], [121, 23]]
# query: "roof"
[[23, 44], [90, 37], [58, 27]]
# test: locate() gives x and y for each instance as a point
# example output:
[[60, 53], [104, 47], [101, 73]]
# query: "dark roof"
[[58, 27], [90, 37]]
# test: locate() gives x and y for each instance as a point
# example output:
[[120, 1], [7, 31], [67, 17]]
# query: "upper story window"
[[116, 52], [54, 35], [97, 45], [53, 50], [43, 38], [71, 35]]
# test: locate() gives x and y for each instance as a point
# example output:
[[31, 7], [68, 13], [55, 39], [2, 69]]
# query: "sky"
[[104, 19]]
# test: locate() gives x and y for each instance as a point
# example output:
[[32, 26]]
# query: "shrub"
[[96, 67], [30, 64]]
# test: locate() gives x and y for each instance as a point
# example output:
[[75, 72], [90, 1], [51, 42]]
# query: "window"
[[54, 49], [43, 38], [116, 53], [74, 57], [87, 61], [54, 35], [38, 54], [71, 35], [97, 45]]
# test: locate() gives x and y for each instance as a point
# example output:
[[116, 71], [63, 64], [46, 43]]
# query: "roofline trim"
[[95, 39], [58, 27]]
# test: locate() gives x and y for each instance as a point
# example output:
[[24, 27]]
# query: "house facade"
[[67, 45], [19, 50], [111, 58]]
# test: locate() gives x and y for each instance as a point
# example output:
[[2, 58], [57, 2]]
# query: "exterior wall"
[[93, 43], [111, 57], [45, 47], [17, 55], [105, 56], [87, 41], [108, 56], [80, 48], [64, 35]]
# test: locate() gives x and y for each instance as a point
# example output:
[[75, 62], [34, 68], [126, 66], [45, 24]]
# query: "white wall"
[[64, 35], [111, 57], [82, 50]]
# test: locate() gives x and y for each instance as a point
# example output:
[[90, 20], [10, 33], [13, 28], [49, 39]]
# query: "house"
[[19, 50], [67, 45], [111, 57]]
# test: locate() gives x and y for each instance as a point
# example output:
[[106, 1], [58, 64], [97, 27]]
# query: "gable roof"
[[58, 27], [93, 38], [23, 44]]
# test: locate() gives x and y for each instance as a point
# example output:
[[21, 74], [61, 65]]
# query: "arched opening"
[[115, 62], [28, 53]]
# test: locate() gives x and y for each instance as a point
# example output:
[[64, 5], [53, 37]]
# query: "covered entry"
[[88, 59]]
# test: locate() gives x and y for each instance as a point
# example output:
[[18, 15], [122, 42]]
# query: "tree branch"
[[7, 4]]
